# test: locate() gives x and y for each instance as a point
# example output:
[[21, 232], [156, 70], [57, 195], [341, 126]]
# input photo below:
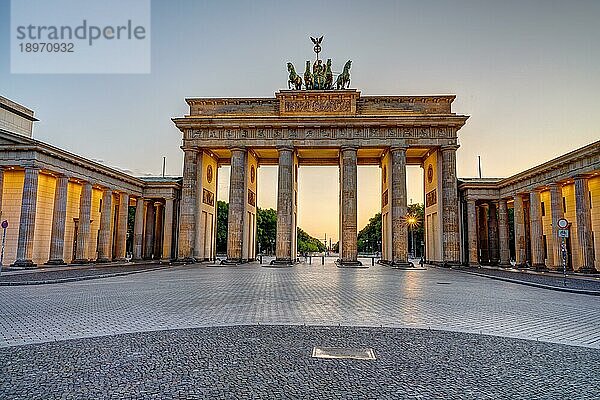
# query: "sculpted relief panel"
[[322, 133]]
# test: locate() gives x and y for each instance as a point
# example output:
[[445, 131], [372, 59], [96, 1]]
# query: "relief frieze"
[[248, 134]]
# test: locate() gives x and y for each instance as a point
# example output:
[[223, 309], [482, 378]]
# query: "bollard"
[[310, 260], [261, 258], [322, 260], [372, 261]]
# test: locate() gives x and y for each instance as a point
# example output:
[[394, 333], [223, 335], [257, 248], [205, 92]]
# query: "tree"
[[309, 244], [369, 237], [222, 218], [266, 229], [418, 229]]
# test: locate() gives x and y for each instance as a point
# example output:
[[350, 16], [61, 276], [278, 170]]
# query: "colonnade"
[[150, 218], [489, 230], [241, 229]]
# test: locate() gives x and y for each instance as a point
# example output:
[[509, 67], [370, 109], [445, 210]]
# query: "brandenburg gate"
[[319, 127]]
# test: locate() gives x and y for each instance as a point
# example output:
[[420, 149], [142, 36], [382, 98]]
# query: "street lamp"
[[412, 222]]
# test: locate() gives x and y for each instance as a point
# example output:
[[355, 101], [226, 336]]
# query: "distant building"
[[16, 118]]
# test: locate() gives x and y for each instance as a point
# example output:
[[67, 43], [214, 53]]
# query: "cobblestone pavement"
[[49, 275], [275, 362], [549, 279], [198, 296]]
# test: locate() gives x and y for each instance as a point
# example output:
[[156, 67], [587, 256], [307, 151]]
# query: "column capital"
[[582, 176], [187, 149], [449, 147], [348, 148], [237, 148], [285, 148], [398, 148]]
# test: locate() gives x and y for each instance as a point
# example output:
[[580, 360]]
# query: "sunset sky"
[[527, 72]]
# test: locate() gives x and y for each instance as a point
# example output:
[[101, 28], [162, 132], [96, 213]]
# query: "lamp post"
[[412, 221]]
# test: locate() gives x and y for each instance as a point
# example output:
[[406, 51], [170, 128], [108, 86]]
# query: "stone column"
[[494, 252], [285, 207], [158, 228], [187, 208], [59, 217], [503, 233], [398, 207], [83, 230], [520, 245], [104, 236], [27, 221], [450, 222], [482, 235], [237, 206], [472, 232], [348, 208], [1, 189], [150, 216], [199, 238], [138, 230], [557, 213], [535, 229], [167, 230], [584, 224], [121, 244]]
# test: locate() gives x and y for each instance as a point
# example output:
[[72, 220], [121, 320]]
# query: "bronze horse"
[[328, 75], [343, 80], [294, 78], [308, 77]]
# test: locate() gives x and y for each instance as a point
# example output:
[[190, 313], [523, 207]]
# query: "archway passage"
[[325, 128]]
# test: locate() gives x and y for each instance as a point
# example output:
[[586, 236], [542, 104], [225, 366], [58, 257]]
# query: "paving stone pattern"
[[551, 279], [266, 362], [201, 296], [75, 273]]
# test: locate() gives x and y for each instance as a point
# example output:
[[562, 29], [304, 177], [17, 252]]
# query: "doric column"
[[557, 213], [1, 189], [149, 236], [237, 205], [450, 232], [494, 252], [482, 234], [158, 228], [399, 208], [535, 229], [584, 224], [348, 208], [167, 230], [472, 232], [104, 236], [199, 238], [138, 229], [83, 229], [285, 208], [27, 221], [187, 208], [503, 233], [519, 224], [121, 241], [59, 217]]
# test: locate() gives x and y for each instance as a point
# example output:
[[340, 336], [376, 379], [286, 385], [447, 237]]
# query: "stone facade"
[[62, 208], [565, 187], [340, 128]]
